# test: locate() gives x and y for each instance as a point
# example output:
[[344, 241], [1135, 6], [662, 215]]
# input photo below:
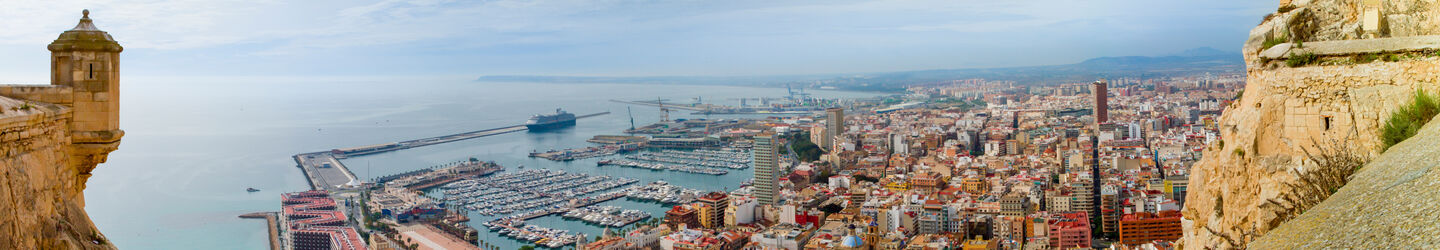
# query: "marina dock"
[[585, 203], [513, 226]]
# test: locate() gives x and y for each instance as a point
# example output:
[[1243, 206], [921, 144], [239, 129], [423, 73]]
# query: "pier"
[[270, 223], [448, 179], [395, 146], [324, 171], [586, 152], [663, 104]]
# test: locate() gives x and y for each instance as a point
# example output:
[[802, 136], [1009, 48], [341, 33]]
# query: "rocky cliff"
[[41, 188], [1321, 75]]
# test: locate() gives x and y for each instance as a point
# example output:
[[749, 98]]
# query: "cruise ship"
[[543, 122]]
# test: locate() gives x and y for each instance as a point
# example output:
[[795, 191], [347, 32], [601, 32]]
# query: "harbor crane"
[[632, 117], [743, 100], [797, 95], [664, 112]]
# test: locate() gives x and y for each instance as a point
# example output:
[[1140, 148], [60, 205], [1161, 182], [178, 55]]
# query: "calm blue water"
[[191, 149]]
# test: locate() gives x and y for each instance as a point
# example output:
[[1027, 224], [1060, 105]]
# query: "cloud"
[[635, 36]]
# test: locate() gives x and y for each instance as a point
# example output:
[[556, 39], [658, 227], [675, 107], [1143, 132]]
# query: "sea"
[[191, 149]]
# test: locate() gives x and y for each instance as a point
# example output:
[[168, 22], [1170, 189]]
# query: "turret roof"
[[85, 37]]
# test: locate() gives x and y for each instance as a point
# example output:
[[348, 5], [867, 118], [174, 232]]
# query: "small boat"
[[252, 190]]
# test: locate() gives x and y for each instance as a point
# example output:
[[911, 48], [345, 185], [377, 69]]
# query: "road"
[[794, 158]]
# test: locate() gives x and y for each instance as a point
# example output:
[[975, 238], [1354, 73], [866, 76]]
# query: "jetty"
[[394, 146], [271, 224], [664, 105], [324, 171], [429, 178]]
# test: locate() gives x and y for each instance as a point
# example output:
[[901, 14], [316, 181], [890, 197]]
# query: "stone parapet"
[[54, 94], [1354, 47]]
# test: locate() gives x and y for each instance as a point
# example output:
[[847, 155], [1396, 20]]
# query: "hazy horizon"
[[337, 39]]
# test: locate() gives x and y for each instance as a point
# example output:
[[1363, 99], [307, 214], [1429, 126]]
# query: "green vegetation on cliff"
[[806, 150], [1407, 120], [1297, 60]]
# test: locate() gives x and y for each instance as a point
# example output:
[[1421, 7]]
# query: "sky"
[[258, 39]]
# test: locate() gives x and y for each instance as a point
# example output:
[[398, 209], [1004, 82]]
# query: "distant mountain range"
[[1192, 61]]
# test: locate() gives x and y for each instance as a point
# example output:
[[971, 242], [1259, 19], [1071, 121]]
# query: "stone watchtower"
[[88, 61], [83, 97], [52, 136]]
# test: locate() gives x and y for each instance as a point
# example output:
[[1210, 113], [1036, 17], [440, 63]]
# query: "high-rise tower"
[[834, 126], [767, 172], [1100, 90], [1101, 103]]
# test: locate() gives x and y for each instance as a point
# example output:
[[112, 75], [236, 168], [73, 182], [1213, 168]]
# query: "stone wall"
[[1285, 112], [1390, 204], [43, 199]]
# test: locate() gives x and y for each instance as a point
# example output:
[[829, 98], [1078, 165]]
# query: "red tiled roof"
[[314, 212]]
